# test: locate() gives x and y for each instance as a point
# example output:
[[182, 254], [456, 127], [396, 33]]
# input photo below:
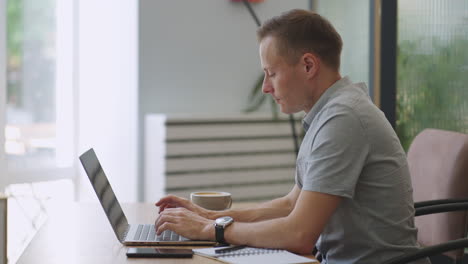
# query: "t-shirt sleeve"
[[336, 157]]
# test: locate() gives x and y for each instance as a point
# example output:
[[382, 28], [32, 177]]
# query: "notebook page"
[[255, 255]]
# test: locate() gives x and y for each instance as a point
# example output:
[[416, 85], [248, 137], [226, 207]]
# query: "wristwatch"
[[221, 224]]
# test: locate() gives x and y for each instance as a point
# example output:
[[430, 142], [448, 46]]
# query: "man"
[[353, 194]]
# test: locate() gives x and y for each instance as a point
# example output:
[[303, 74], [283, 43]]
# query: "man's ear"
[[311, 64]]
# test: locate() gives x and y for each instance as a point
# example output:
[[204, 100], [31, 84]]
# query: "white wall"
[[200, 56], [108, 91]]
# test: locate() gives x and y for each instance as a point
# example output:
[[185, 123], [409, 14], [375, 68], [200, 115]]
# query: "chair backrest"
[[438, 162]]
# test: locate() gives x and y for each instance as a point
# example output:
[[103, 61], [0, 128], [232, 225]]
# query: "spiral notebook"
[[254, 255]]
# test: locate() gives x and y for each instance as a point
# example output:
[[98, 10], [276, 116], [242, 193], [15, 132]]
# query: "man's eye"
[[271, 74]]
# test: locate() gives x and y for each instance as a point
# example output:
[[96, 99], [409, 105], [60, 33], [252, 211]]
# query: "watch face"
[[223, 221]]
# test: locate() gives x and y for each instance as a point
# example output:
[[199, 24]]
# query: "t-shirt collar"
[[345, 81]]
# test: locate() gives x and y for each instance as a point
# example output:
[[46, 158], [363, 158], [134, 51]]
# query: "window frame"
[[5, 178], [388, 59]]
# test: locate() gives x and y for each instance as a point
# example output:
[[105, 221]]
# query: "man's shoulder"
[[350, 101], [343, 103], [349, 96]]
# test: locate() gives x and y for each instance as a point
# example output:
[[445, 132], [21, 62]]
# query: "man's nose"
[[266, 86]]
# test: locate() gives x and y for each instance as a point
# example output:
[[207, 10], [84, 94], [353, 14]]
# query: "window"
[[432, 67], [37, 112], [39, 120]]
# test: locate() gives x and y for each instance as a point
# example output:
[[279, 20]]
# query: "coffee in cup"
[[212, 200]]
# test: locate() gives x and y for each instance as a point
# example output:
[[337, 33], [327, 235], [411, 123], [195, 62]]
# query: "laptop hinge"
[[124, 235]]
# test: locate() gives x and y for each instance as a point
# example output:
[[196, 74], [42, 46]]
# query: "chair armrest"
[[429, 251], [439, 201], [441, 208]]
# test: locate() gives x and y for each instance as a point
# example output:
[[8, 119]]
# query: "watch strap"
[[219, 233]]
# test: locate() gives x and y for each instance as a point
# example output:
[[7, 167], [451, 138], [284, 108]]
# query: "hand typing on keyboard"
[[185, 223], [172, 201]]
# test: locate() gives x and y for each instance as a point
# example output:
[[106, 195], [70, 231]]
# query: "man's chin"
[[288, 111]]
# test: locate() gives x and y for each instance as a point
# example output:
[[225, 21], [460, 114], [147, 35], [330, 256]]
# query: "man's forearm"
[[275, 233], [280, 207], [297, 232]]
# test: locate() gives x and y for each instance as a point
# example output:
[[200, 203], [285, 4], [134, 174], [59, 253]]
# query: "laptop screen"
[[104, 193]]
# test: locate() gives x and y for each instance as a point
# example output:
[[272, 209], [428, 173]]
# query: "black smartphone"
[[159, 253]]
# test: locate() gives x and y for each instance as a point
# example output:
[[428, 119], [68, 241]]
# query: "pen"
[[229, 249]]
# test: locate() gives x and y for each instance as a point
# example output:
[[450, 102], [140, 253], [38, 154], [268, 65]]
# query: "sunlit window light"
[[12, 132], [14, 148]]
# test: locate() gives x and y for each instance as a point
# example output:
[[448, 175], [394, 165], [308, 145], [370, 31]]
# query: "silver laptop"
[[128, 234]]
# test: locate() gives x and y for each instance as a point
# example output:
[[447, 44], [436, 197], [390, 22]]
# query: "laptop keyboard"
[[148, 233]]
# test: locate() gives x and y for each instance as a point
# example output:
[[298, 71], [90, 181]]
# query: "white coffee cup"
[[212, 200]]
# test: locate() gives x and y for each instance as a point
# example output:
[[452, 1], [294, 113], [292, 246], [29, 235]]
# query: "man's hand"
[[185, 223], [172, 201]]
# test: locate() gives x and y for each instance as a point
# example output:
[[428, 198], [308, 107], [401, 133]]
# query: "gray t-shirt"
[[350, 150]]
